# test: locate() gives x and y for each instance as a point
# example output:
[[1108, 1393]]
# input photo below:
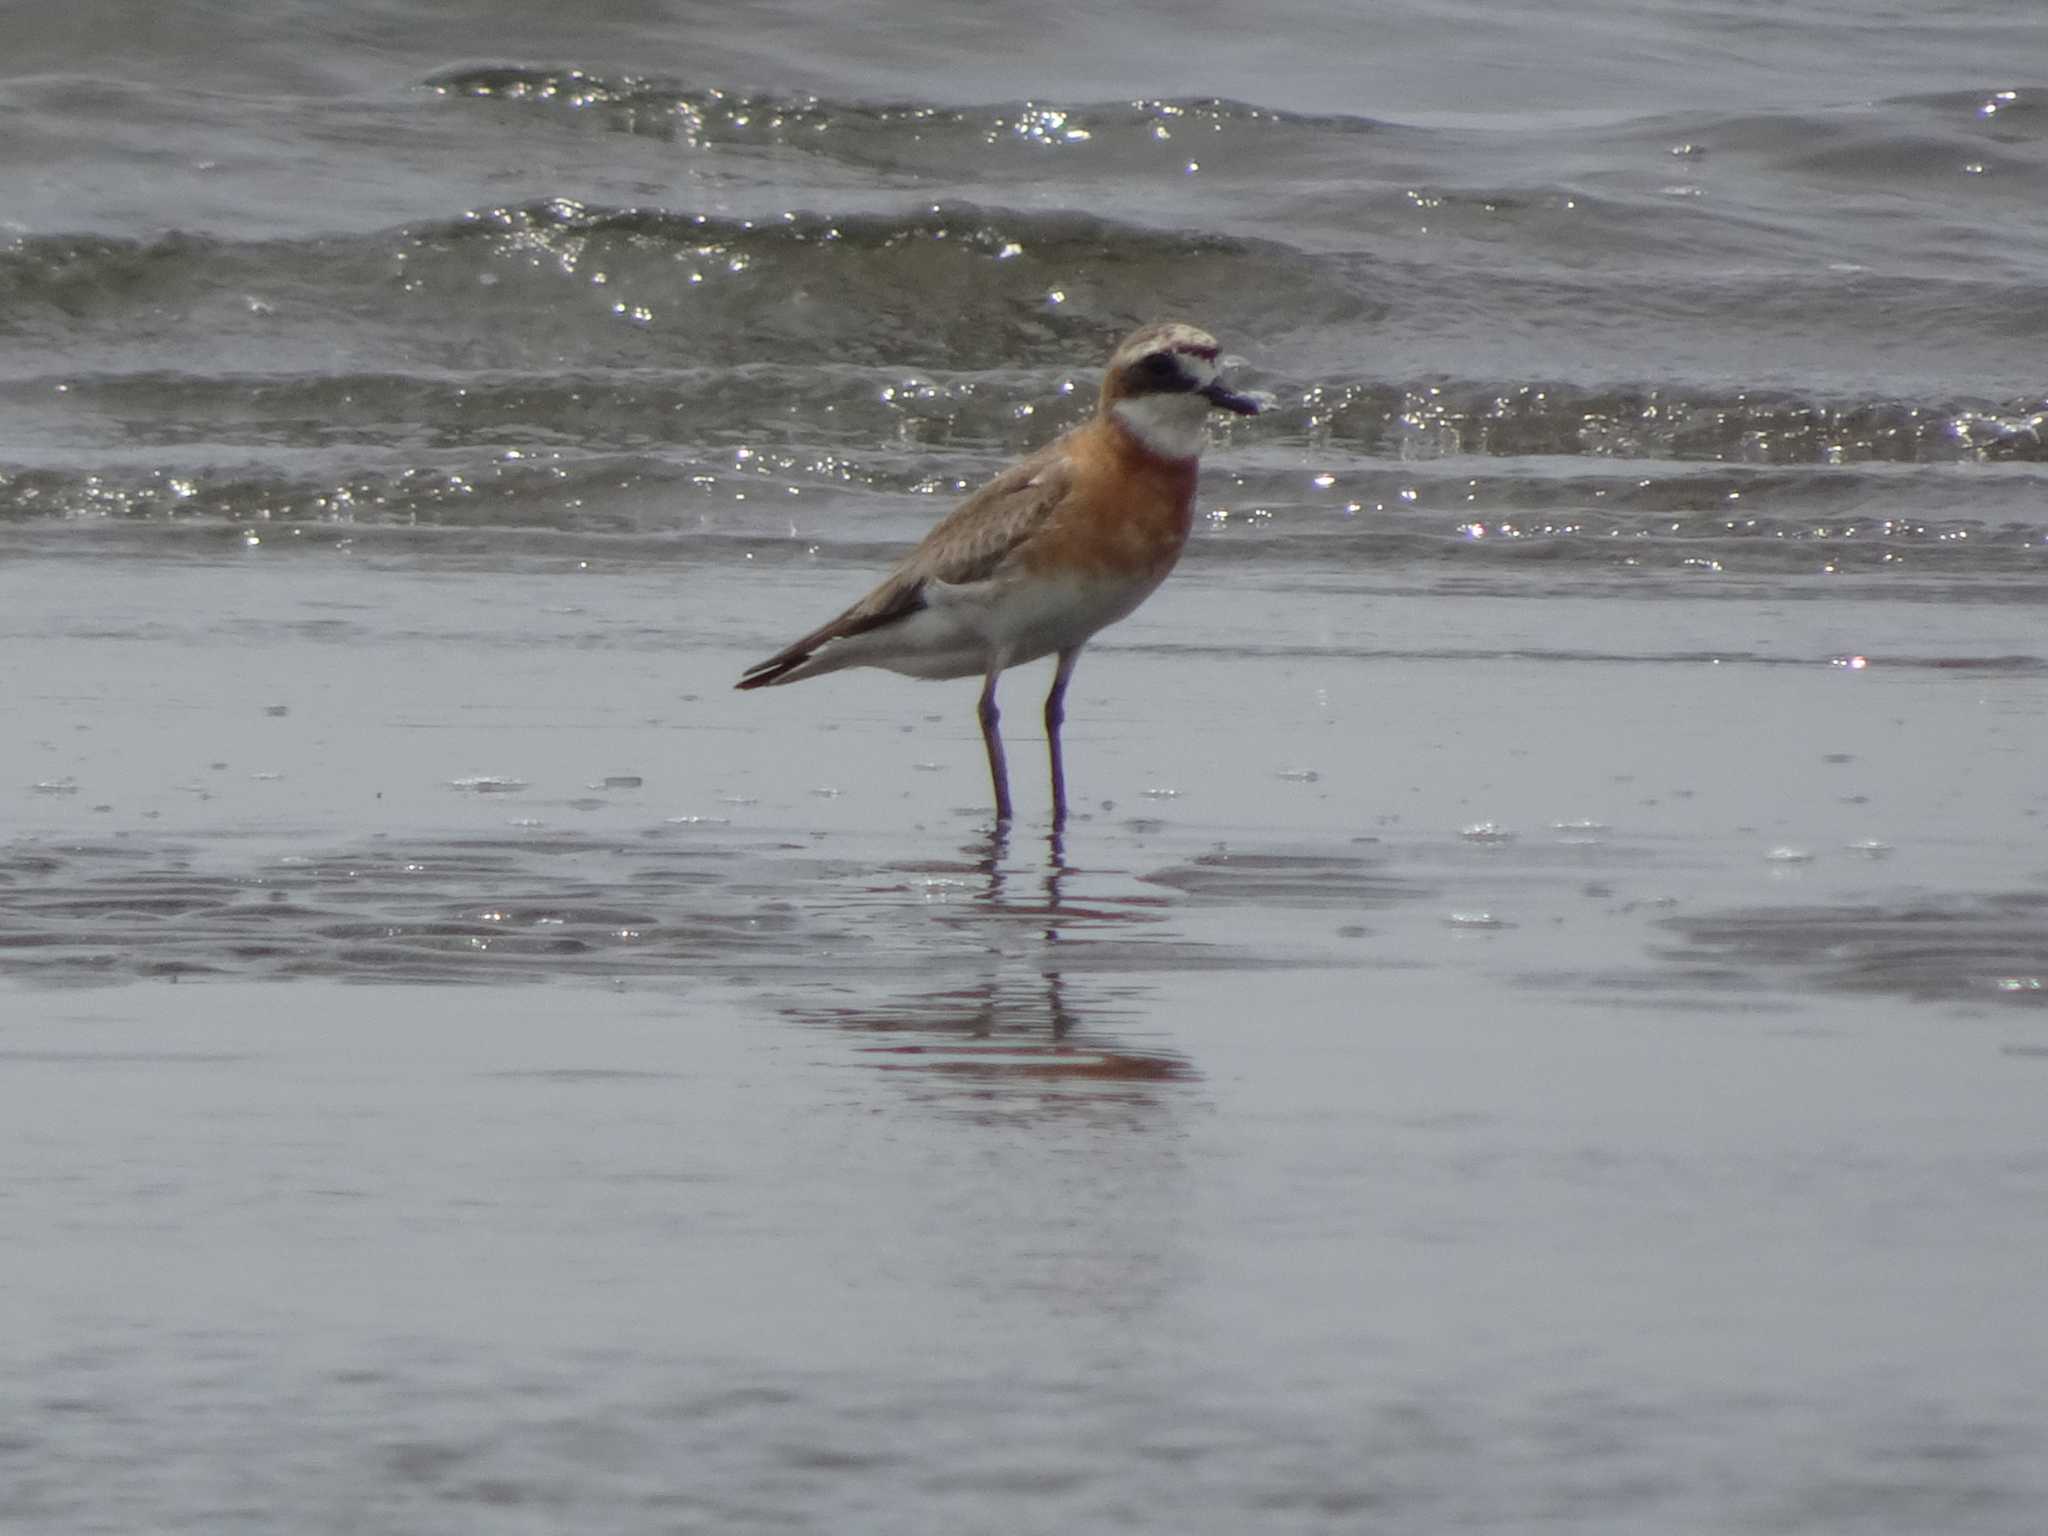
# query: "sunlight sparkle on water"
[[1486, 832], [1477, 921]]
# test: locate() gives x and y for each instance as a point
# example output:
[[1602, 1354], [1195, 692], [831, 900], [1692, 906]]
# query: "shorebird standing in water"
[[1054, 548]]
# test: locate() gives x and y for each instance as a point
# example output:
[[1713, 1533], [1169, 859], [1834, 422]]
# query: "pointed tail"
[[776, 669]]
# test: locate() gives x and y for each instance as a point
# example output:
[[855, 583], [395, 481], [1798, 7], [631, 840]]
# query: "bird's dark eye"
[[1159, 366]]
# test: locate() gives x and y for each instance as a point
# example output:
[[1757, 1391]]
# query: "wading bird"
[[1062, 543]]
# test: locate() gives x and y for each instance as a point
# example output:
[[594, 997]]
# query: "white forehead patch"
[[1196, 349]]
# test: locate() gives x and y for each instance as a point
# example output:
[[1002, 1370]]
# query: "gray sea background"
[[1537, 1022]]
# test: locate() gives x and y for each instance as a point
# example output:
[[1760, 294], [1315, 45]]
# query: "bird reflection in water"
[[1022, 1036]]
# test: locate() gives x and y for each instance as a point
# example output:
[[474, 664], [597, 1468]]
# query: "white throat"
[[1173, 426]]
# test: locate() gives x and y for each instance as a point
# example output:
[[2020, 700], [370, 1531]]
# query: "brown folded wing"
[[969, 544]]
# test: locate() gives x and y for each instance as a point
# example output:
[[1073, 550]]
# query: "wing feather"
[[968, 544]]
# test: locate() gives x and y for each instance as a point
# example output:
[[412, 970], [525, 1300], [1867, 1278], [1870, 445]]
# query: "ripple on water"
[[1329, 880], [1984, 948], [487, 910], [666, 905]]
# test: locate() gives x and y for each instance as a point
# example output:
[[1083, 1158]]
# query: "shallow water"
[[1537, 1018], [454, 1064]]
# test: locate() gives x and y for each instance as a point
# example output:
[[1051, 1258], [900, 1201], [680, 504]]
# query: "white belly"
[[962, 631]]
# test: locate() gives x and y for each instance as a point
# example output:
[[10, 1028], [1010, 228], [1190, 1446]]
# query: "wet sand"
[[1468, 1059]]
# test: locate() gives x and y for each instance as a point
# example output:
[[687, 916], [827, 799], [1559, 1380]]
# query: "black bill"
[[1229, 400]]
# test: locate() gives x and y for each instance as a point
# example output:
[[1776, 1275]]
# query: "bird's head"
[[1163, 382]]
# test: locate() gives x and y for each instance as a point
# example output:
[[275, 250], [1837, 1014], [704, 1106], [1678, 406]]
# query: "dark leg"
[[998, 770], [1055, 716]]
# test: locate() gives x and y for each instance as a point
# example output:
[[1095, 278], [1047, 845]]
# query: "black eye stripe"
[[1160, 373]]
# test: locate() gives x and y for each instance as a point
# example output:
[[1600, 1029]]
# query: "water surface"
[[1537, 1018]]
